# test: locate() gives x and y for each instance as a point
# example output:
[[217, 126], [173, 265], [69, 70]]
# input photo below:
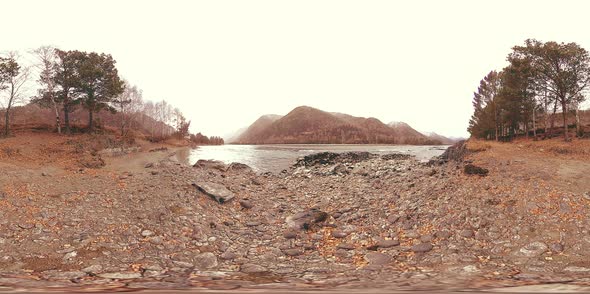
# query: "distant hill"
[[444, 140], [307, 125], [255, 129], [403, 130]]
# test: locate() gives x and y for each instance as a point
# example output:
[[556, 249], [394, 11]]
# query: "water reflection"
[[275, 158]]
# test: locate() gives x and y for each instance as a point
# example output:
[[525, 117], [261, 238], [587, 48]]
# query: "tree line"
[[540, 79], [71, 80]]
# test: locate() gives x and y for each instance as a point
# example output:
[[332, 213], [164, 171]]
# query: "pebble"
[[246, 203], [293, 252], [290, 234], [339, 234], [147, 233], [346, 246]]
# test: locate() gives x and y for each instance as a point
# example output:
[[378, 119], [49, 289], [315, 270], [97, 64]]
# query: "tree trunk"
[[496, 122], [67, 119], [57, 120], [7, 120], [578, 126], [553, 118], [564, 111], [90, 122], [534, 123]]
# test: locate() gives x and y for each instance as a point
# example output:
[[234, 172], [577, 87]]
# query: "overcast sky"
[[225, 63]]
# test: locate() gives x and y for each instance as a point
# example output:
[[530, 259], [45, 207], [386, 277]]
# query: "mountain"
[[307, 125], [252, 132], [444, 140], [403, 130]]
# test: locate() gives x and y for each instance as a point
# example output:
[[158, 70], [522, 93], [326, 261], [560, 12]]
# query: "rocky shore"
[[333, 221]]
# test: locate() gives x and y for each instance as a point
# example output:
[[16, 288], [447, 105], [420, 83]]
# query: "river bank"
[[338, 222]]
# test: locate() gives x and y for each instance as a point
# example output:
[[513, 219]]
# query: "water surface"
[[275, 158]]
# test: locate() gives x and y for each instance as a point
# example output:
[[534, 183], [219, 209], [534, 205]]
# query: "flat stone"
[[422, 247], [293, 252], [377, 258], [250, 268], [93, 269], [346, 246], [387, 243], [339, 234], [205, 260], [216, 191], [120, 276], [576, 269]]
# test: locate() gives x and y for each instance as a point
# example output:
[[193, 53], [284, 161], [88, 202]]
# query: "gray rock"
[[58, 275], [147, 233], [377, 258], [210, 164], [557, 247], [228, 255], [120, 276], [216, 191], [205, 260], [422, 247], [250, 268], [533, 249], [70, 255], [93, 269], [306, 219]]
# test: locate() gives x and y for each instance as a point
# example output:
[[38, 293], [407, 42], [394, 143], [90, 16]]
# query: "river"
[[275, 158]]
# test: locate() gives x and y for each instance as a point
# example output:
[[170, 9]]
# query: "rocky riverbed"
[[334, 221]]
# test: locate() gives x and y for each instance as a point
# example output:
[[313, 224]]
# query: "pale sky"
[[225, 63]]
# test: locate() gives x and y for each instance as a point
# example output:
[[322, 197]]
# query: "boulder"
[[210, 164], [216, 191], [306, 219], [239, 167]]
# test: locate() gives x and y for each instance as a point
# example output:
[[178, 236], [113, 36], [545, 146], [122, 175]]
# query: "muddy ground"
[[355, 221]]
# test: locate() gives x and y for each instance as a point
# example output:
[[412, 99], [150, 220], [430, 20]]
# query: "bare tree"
[[46, 60], [13, 78]]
